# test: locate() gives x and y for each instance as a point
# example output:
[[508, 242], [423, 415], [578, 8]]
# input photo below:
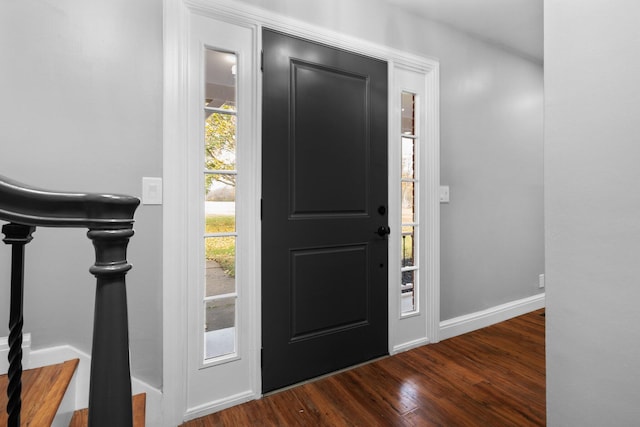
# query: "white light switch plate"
[[444, 194], [151, 191]]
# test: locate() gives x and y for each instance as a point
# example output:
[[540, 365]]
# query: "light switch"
[[444, 194], [151, 191]]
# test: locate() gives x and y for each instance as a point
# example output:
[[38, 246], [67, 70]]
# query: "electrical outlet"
[[541, 281], [151, 191], [444, 194]]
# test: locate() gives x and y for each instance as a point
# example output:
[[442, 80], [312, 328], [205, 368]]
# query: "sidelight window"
[[409, 201], [220, 294]]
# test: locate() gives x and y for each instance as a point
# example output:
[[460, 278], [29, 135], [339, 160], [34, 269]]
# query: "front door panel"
[[324, 265]]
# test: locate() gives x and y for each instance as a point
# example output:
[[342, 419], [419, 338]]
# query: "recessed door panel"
[[329, 290], [330, 141]]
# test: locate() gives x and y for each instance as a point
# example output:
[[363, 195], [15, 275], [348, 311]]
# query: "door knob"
[[383, 230]]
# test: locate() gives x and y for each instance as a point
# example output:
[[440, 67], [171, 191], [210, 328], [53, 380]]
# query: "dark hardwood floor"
[[491, 377]]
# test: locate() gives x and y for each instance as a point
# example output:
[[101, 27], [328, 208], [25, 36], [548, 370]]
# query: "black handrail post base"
[[110, 387]]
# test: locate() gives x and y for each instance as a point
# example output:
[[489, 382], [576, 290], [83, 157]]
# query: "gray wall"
[[81, 109], [492, 247], [491, 156], [81, 83], [592, 180]]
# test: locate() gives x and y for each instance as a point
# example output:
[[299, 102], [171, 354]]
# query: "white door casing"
[[210, 385], [420, 327]]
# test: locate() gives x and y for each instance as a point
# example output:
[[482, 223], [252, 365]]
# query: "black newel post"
[[110, 388], [17, 236]]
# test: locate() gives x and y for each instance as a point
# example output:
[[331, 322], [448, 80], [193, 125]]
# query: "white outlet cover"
[[151, 191], [444, 194]]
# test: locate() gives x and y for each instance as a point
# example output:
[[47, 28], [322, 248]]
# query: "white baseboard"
[[480, 319], [77, 396], [409, 345], [218, 405]]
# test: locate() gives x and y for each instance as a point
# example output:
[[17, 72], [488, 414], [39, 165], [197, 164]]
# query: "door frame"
[[175, 166]]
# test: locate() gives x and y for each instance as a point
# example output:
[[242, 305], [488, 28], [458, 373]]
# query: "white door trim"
[[175, 164], [410, 330], [174, 228]]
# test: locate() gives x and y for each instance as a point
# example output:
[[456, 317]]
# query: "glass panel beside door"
[[220, 297]]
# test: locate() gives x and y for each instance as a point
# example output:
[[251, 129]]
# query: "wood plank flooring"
[[491, 377], [42, 391], [81, 417]]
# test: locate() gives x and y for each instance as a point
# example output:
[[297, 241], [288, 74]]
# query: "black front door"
[[324, 215]]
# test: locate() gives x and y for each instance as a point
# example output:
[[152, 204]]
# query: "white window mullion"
[[219, 297]]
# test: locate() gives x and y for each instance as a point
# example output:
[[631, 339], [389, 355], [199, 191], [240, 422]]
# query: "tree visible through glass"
[[220, 233]]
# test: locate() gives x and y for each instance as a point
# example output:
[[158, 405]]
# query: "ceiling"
[[514, 24]]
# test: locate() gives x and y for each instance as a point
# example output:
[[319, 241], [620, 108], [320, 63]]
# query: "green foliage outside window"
[[220, 146]]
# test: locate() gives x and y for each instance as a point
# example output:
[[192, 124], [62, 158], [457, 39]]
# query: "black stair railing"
[[109, 219]]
